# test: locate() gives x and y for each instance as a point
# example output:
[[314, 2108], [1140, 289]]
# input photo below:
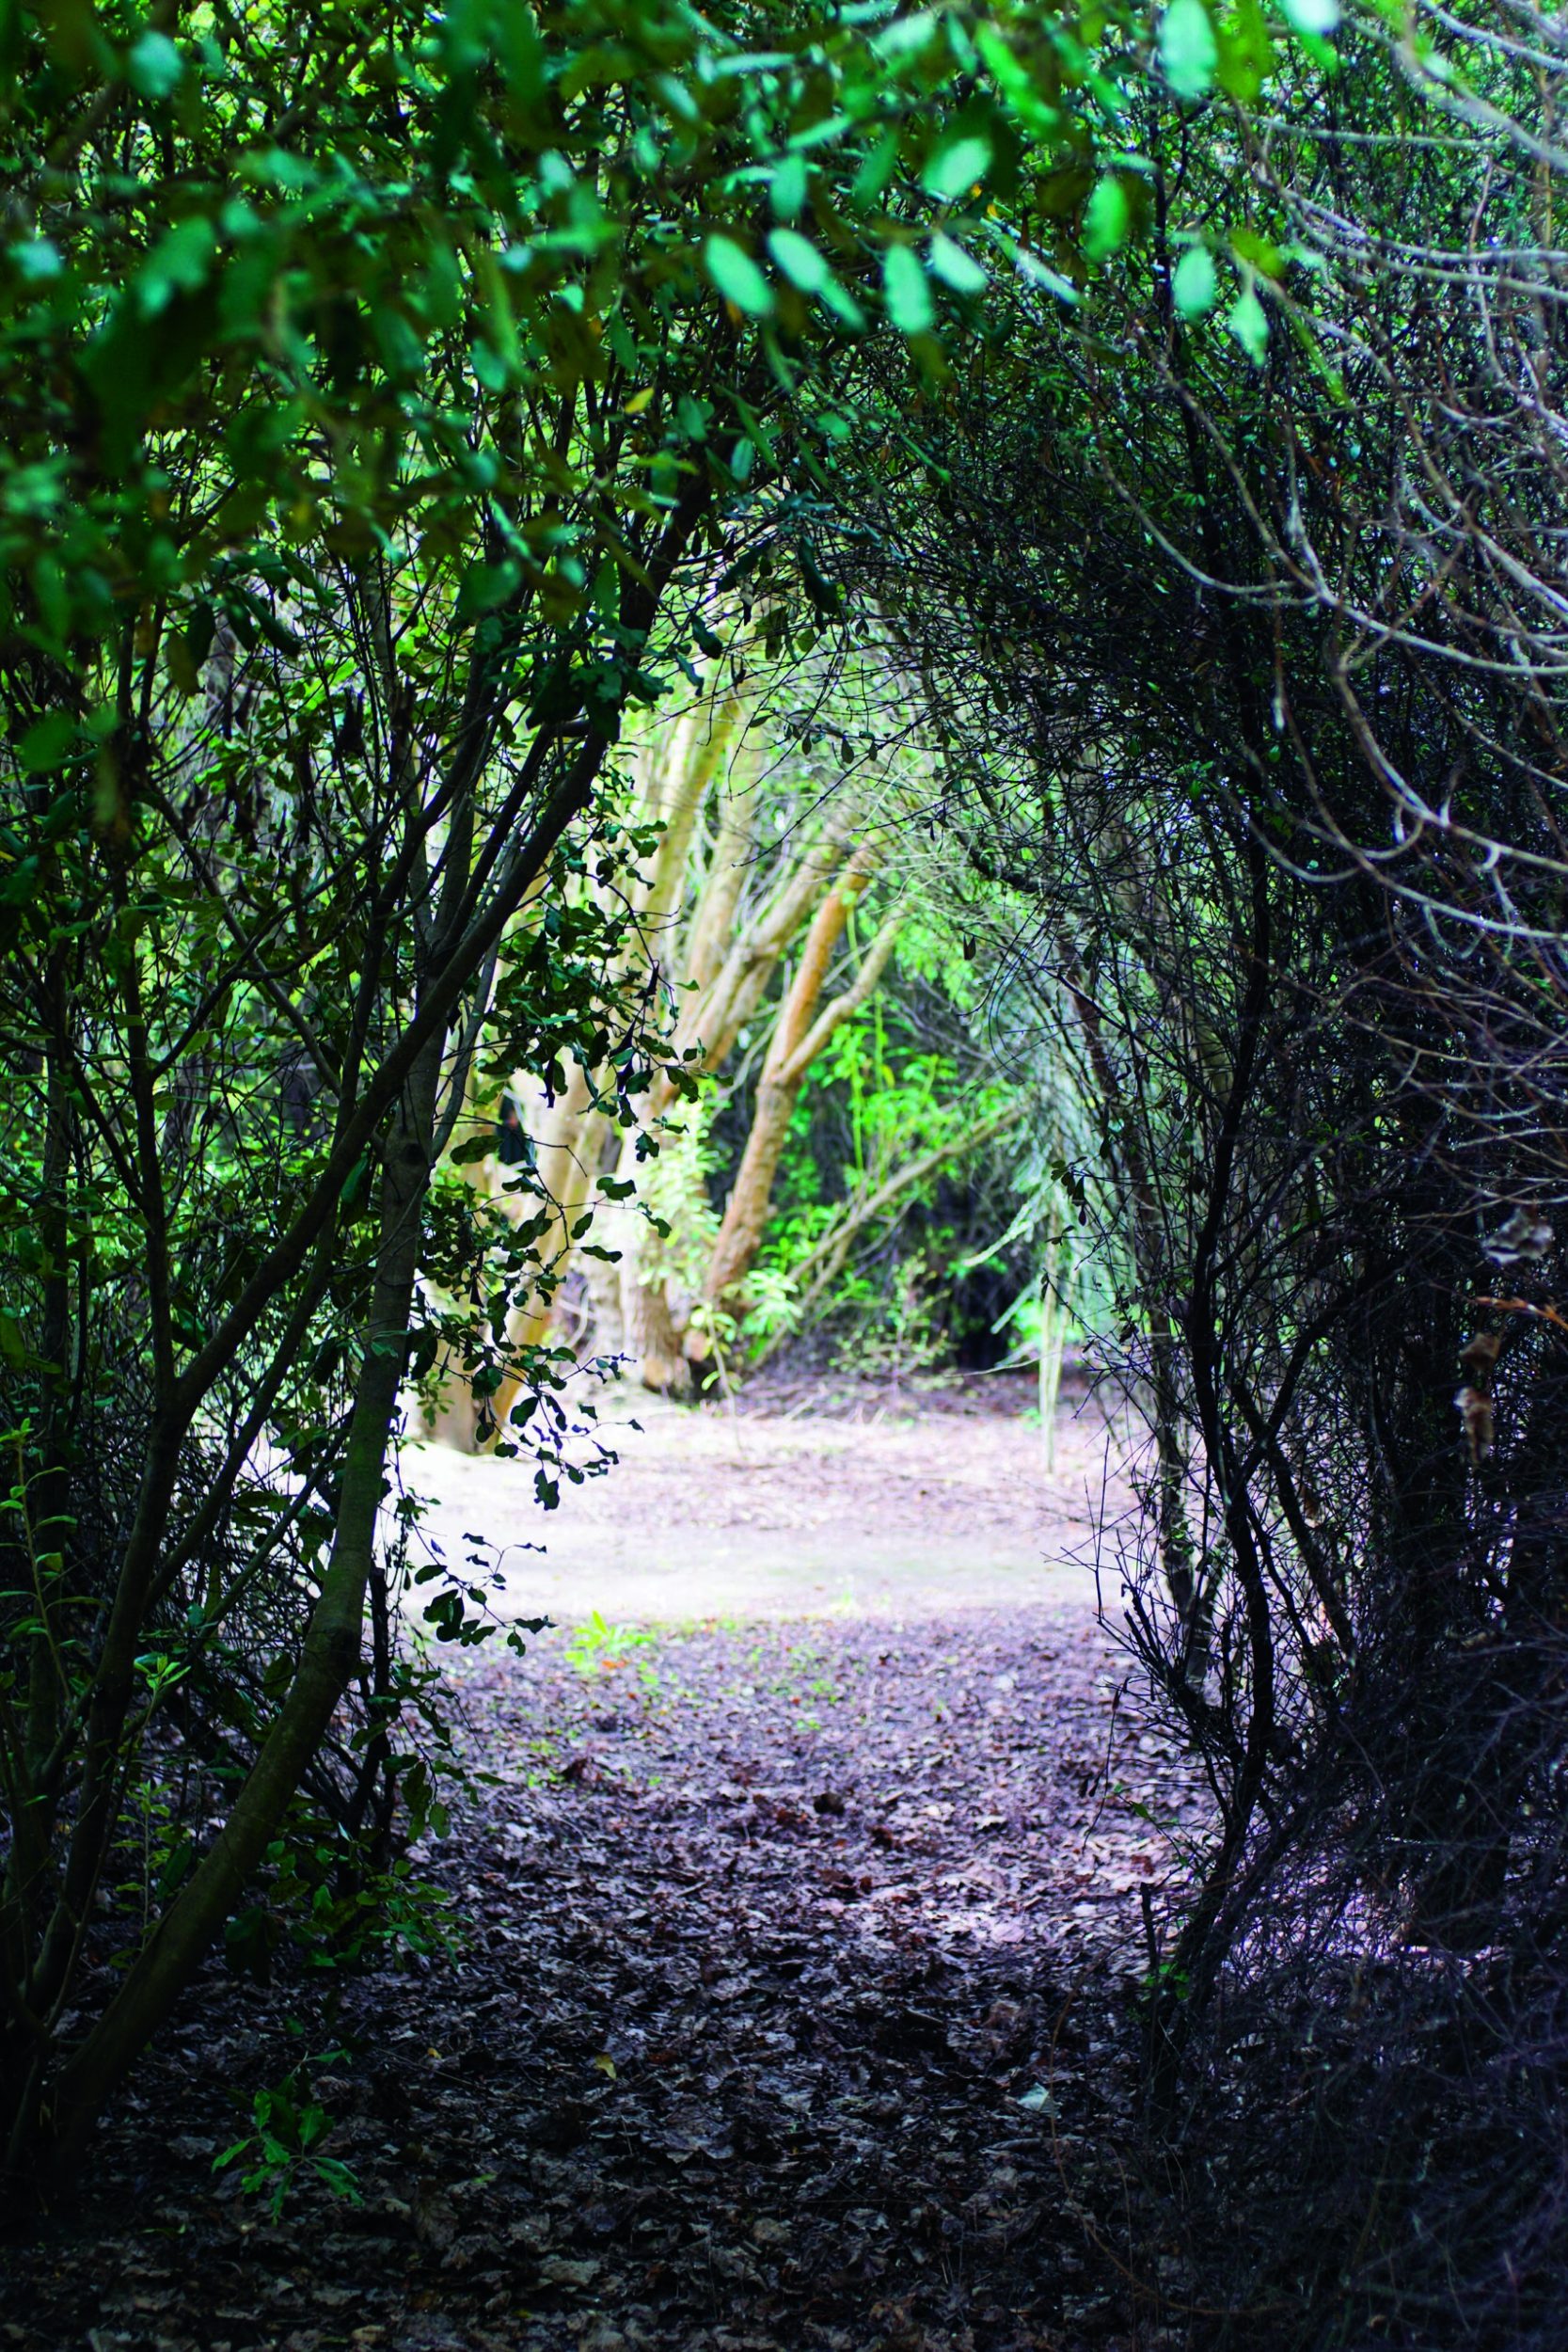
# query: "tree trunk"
[[798, 1035], [740, 1236], [653, 1338], [566, 1164]]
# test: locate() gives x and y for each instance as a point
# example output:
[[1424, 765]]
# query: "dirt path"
[[898, 1506], [794, 2011]]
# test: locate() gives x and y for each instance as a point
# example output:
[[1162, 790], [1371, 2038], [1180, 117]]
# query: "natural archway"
[[1128, 443]]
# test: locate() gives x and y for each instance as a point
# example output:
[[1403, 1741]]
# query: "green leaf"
[[876, 170], [1194, 285], [1189, 53], [955, 266], [800, 259], [178, 265], [1248, 322], [338, 2177], [154, 66], [1013, 80], [737, 276], [786, 189], [1040, 273], [841, 302], [1246, 52], [485, 586], [807, 269], [1315, 17], [956, 167], [1106, 219], [908, 296], [906, 37], [37, 262], [47, 742], [1266, 257]]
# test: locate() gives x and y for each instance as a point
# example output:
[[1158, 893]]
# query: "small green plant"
[[1165, 1978], [772, 1308], [599, 1648], [319, 1894], [285, 2146]]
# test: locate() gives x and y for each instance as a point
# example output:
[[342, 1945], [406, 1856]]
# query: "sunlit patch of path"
[[707, 1515]]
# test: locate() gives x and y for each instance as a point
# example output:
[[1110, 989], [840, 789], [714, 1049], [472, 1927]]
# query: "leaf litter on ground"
[[796, 2006]]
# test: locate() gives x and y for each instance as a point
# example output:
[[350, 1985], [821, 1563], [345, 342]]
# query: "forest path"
[[862, 1502], [794, 2009]]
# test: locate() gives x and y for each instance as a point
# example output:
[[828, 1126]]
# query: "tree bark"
[[798, 1035]]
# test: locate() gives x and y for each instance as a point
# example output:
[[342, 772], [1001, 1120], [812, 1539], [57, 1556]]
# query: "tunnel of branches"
[[1222, 677]]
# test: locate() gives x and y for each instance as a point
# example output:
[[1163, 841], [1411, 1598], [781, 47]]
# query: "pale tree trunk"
[[566, 1155], [1051, 1335], [799, 1035], [720, 971], [712, 743], [677, 768], [652, 1337], [567, 1132], [566, 1135], [680, 770]]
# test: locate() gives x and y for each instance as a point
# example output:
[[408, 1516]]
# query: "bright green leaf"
[[1264, 256], [807, 269], [1248, 322], [737, 276], [787, 188], [1189, 53], [1194, 285], [876, 170], [1013, 80], [955, 266], [800, 259], [1106, 219], [1317, 17], [1041, 274], [954, 169], [38, 261], [843, 303], [178, 265], [906, 37], [1246, 52], [908, 296], [154, 66]]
